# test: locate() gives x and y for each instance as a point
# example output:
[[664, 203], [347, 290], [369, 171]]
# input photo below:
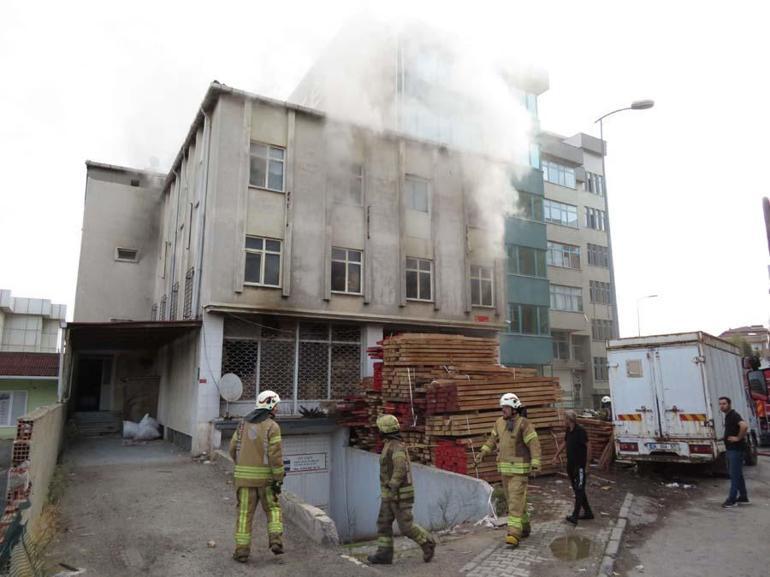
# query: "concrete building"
[[582, 298], [29, 356], [757, 336]]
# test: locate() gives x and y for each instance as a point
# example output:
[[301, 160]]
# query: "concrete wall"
[[117, 214], [442, 499], [178, 362], [40, 392], [45, 446]]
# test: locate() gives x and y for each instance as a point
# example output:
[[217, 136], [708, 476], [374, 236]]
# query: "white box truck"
[[665, 393]]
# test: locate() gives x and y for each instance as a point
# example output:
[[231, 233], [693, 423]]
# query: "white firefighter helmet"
[[606, 400], [268, 400], [510, 400]]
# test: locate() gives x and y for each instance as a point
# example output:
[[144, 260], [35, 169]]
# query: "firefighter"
[[605, 412], [256, 451], [396, 497], [518, 454]]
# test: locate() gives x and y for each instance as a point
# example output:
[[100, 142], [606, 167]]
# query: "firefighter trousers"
[[515, 488], [248, 498], [401, 512]]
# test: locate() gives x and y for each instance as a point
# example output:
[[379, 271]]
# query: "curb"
[[606, 569], [314, 523]]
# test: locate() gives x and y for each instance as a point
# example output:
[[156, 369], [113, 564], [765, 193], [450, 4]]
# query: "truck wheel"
[[750, 460], [719, 466]]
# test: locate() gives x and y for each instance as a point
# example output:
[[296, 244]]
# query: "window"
[[482, 291], [266, 166], [601, 330], [419, 282], [529, 206], [558, 173], [263, 261], [417, 194], [350, 188], [563, 255], [526, 261], [13, 404], [528, 319], [596, 219], [561, 348], [598, 255], [346, 270], [560, 213], [595, 183], [126, 254], [600, 369], [566, 298], [601, 293]]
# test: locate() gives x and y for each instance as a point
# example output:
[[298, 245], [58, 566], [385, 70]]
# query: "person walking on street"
[[578, 457], [256, 451], [518, 454], [735, 443], [396, 497]]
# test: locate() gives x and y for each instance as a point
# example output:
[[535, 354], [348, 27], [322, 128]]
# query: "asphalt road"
[[702, 539]]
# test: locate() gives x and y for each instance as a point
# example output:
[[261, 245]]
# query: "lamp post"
[[638, 317], [635, 105]]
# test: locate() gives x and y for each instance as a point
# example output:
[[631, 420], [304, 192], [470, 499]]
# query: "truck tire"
[[751, 457], [719, 466]]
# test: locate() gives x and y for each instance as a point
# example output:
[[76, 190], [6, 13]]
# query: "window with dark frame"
[[266, 166], [563, 255], [263, 261], [596, 219], [601, 372], [526, 261], [601, 292], [598, 255], [528, 319], [601, 330], [346, 270], [482, 286], [419, 279]]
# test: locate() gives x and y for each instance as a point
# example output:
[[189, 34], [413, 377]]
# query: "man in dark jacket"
[[735, 443], [576, 443]]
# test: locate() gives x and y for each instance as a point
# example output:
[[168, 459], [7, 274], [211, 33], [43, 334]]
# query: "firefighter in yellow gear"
[[256, 451], [396, 497], [518, 454], [605, 412]]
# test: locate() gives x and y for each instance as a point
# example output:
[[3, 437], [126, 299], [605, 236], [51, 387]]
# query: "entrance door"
[[91, 375]]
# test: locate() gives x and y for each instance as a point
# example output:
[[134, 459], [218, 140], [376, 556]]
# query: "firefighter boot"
[[512, 540], [381, 557], [276, 548], [428, 550], [526, 531], [241, 554]]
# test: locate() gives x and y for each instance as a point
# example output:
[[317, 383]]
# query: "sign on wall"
[[304, 463]]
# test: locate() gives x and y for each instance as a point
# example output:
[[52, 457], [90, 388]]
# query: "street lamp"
[[638, 318], [635, 105]]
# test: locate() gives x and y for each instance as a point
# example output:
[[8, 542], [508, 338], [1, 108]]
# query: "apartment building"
[[29, 356], [757, 337], [582, 300]]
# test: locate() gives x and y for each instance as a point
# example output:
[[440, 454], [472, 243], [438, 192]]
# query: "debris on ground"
[[354, 560], [212, 544], [147, 429]]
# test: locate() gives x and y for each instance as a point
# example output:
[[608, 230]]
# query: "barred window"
[[162, 308], [189, 279], [601, 292], [174, 299], [601, 330], [598, 255], [154, 312]]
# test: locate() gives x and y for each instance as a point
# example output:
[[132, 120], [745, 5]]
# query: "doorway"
[[93, 373]]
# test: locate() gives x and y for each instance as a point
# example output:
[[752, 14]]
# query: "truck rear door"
[[632, 386], [681, 392]]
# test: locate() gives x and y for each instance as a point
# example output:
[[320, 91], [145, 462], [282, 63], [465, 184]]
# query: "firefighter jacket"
[[256, 451], [395, 473], [518, 450]]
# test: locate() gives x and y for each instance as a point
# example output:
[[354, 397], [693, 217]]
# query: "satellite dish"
[[230, 387]]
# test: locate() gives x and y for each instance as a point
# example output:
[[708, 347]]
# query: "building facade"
[[578, 261], [29, 356], [757, 337]]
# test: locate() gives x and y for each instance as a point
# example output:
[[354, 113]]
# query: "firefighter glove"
[[276, 486]]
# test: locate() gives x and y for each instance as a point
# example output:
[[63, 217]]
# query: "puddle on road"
[[571, 547]]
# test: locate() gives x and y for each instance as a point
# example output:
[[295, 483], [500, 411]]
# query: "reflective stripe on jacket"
[[256, 452], [517, 450], [395, 472]]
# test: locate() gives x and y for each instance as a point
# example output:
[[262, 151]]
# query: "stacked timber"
[[600, 439]]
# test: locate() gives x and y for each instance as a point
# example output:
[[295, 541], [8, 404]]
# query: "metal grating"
[[313, 377], [188, 293], [240, 357], [276, 367], [346, 333], [163, 308], [174, 299], [345, 370], [154, 312]]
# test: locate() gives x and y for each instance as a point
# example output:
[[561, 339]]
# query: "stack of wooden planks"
[[600, 439], [445, 391]]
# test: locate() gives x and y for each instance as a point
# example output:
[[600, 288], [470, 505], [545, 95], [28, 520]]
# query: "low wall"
[[33, 462], [442, 499]]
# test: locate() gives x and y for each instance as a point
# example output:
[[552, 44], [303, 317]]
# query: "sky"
[[120, 83]]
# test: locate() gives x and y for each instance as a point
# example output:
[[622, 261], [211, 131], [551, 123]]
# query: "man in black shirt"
[[735, 443], [576, 443]]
